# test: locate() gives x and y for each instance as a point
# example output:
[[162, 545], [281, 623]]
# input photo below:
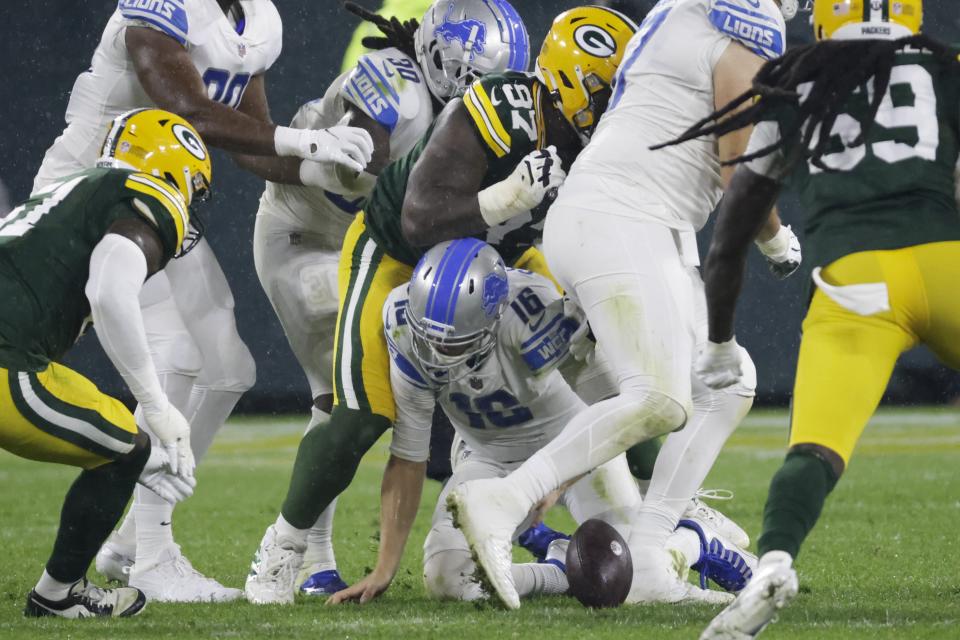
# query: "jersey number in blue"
[[499, 409], [221, 88], [406, 69]]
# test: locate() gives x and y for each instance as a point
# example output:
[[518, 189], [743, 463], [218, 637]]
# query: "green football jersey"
[[45, 248], [898, 187], [507, 119]]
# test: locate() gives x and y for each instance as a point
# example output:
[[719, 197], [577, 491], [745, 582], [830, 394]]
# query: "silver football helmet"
[[459, 41], [457, 295]]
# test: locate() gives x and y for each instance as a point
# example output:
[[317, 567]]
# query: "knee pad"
[[446, 576], [228, 364], [655, 412]]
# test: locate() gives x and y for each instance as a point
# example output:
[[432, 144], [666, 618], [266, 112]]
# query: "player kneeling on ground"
[[485, 342], [82, 249]]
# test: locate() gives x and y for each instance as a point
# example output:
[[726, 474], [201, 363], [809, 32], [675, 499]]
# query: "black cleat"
[[88, 601]]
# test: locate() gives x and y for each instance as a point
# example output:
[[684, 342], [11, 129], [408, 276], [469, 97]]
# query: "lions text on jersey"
[[663, 86], [225, 54], [508, 407]]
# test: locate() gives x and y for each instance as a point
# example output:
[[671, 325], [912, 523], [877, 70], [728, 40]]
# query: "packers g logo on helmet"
[[863, 19], [578, 60]]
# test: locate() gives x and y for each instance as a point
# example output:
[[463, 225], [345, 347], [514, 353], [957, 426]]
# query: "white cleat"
[[660, 575], [488, 515], [273, 571], [115, 560], [171, 578], [772, 588], [724, 526]]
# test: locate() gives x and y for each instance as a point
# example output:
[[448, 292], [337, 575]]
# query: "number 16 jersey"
[[226, 54]]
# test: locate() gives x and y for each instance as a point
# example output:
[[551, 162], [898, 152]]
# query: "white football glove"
[[582, 343], [718, 364], [349, 146], [782, 252], [157, 477], [173, 432], [538, 174]]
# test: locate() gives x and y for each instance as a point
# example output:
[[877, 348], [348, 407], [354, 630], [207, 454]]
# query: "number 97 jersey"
[[227, 53], [508, 407]]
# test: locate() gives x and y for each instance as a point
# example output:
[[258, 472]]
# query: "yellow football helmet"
[[162, 144], [578, 60], [861, 19]]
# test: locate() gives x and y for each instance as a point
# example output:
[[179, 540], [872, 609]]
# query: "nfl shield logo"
[[242, 49]]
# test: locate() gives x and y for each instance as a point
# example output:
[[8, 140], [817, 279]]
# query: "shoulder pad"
[[380, 85], [168, 16], [161, 205], [756, 24], [505, 113]]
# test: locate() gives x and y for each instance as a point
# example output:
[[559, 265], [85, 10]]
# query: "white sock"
[[298, 537], [154, 518], [52, 589], [595, 435], [684, 462], [687, 542], [207, 413], [177, 387], [540, 578], [319, 555]]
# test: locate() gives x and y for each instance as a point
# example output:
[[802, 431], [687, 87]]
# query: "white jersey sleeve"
[[663, 86], [386, 85], [414, 398]]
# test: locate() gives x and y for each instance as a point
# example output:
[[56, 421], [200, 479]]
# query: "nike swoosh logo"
[[165, 524]]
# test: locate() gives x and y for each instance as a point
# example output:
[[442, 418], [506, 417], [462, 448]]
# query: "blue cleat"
[[537, 540], [323, 583], [720, 560]]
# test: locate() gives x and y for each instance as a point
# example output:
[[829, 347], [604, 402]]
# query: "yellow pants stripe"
[[846, 359], [59, 416]]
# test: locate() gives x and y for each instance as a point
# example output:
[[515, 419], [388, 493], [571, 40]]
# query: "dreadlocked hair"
[[396, 34], [777, 82]]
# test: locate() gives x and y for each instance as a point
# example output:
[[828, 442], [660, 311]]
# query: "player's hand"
[[539, 173], [364, 591], [782, 252], [156, 476], [173, 432], [349, 146], [718, 365], [582, 341]]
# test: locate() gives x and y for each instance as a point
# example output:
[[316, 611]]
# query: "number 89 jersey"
[[226, 55], [898, 188], [511, 405]]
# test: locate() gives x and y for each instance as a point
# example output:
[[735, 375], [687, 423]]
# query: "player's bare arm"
[[169, 77], [400, 493], [441, 200], [732, 76], [740, 218]]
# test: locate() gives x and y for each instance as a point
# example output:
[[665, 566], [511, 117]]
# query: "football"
[[599, 567]]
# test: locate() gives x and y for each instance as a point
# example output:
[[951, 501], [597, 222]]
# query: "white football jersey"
[[226, 57], [389, 87], [664, 86], [513, 404]]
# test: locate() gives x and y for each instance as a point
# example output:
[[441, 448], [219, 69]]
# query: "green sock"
[[797, 494], [641, 458], [91, 510], [327, 459]]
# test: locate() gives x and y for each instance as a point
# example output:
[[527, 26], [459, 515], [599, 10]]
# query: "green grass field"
[[883, 563]]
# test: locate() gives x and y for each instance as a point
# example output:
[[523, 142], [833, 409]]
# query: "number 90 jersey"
[[388, 86], [225, 56], [509, 407]]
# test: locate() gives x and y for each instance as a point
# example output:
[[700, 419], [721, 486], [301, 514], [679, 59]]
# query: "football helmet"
[[578, 60], [164, 145], [862, 19], [457, 294], [459, 41]]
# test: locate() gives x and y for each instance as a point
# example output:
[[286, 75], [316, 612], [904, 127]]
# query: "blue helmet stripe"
[[516, 32], [453, 267]]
